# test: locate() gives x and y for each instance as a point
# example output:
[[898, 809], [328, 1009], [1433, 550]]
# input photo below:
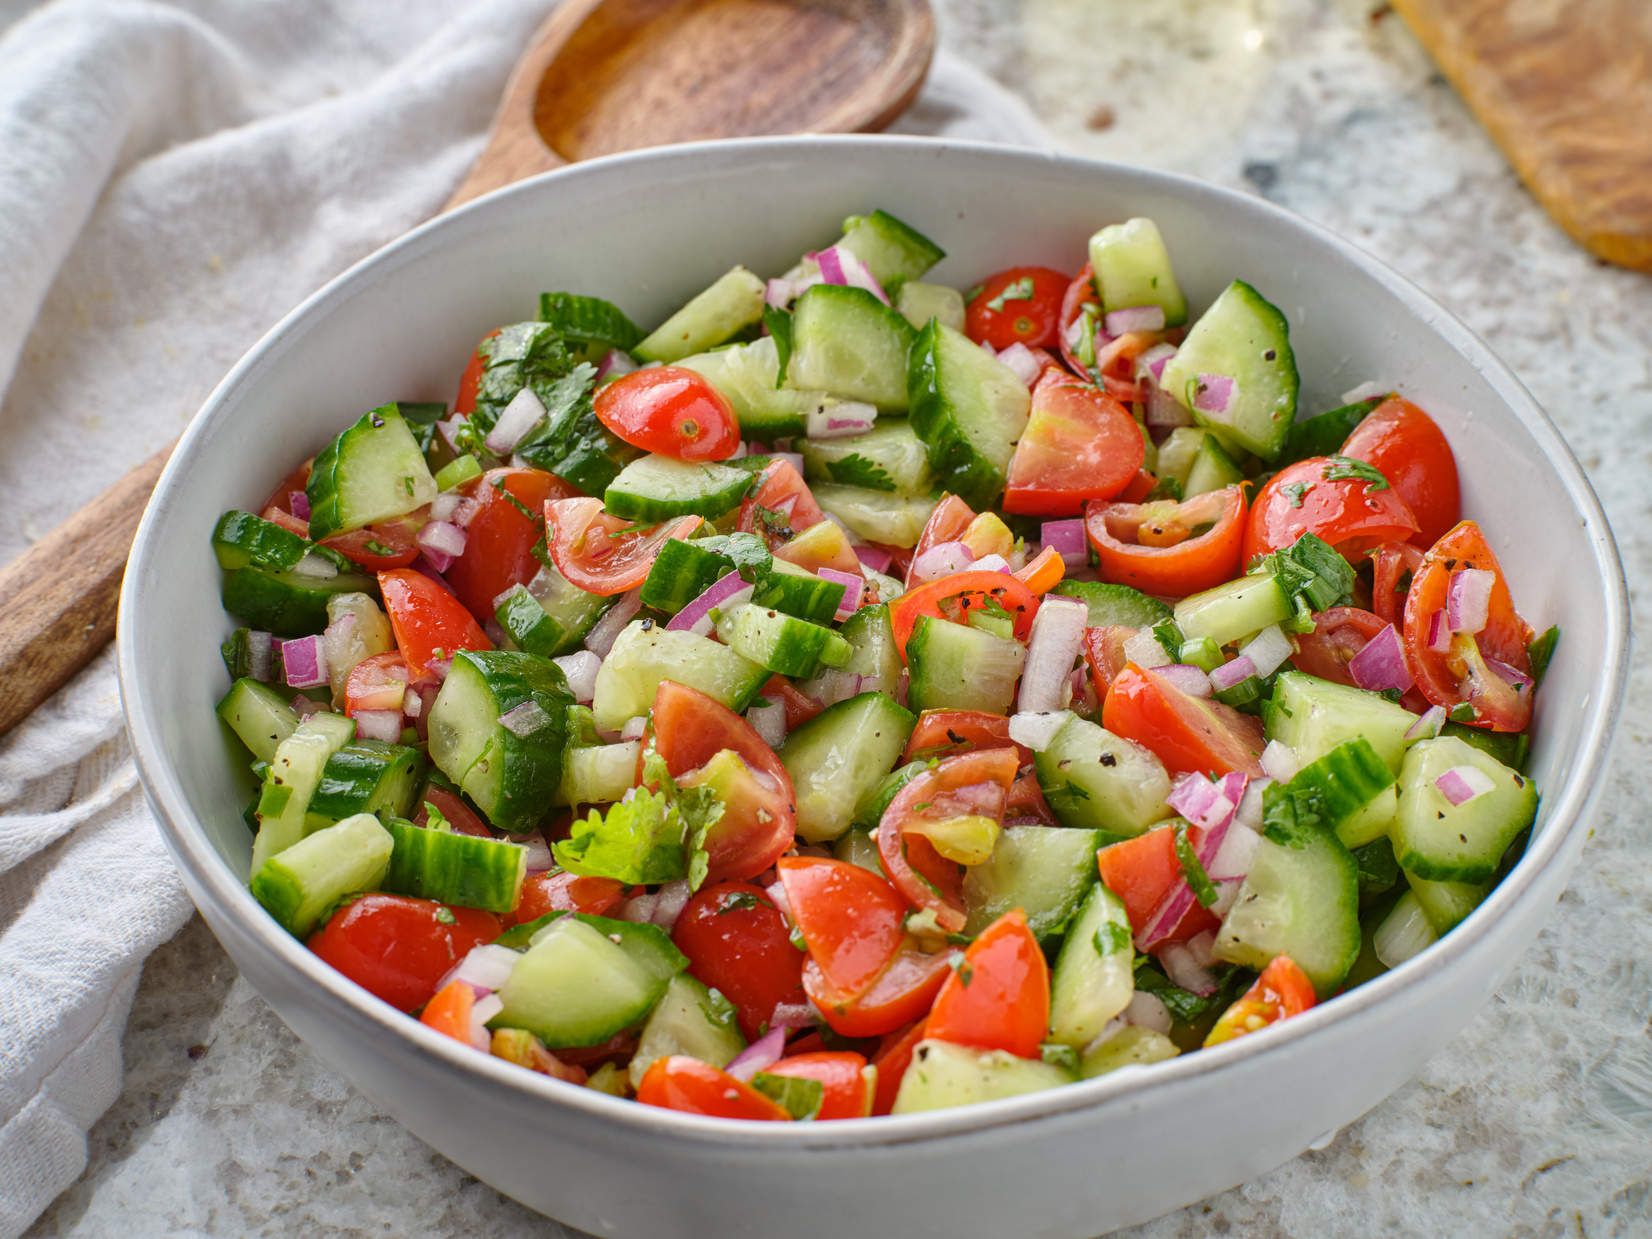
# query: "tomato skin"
[[1104, 654], [1346, 512], [1034, 321], [470, 382], [946, 523], [1178, 568], [977, 782], [966, 590], [456, 811], [1079, 444], [670, 410], [1082, 289], [281, 498], [1189, 735], [894, 1056], [389, 544], [449, 1011], [1391, 563], [682, 1083], [1460, 675], [398, 948], [846, 1093], [738, 943], [783, 491], [429, 622], [1005, 1003], [1283, 990], [899, 994], [1407, 447], [499, 540], [560, 891], [1140, 872], [947, 733], [603, 554], [1338, 635]]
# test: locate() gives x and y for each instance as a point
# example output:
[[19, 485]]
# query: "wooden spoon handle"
[[58, 599]]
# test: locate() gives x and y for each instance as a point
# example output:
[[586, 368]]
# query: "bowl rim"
[[186, 838]]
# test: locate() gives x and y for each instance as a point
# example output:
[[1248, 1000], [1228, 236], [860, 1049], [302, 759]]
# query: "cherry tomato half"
[[846, 1092], [398, 947], [953, 597], [1283, 990], [1079, 444], [1394, 565], [500, 538], [852, 920], [901, 993], [388, 544], [1141, 872], [1408, 449], [781, 508], [679, 1082], [672, 411], [603, 554], [1018, 306], [429, 622], [1159, 548], [738, 943], [560, 891], [1189, 734], [999, 997], [1338, 635], [1325, 497], [470, 382]]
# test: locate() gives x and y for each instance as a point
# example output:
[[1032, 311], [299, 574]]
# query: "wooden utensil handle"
[[58, 599]]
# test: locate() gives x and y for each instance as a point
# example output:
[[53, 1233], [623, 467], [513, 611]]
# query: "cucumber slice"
[[570, 606], [600, 773], [682, 571], [365, 776], [1243, 338], [689, 1019], [1342, 785], [872, 652], [307, 878], [869, 810], [576, 986], [889, 457], [372, 472], [1178, 452], [644, 654], [875, 516], [970, 409], [1301, 898], [1095, 977], [1116, 604], [295, 770], [749, 375], [465, 870], [242, 538], [797, 591], [943, 1075], [1464, 843], [919, 302], [847, 342], [1213, 469], [1044, 870], [839, 756], [955, 667], [657, 488], [1131, 1046], [288, 604], [888, 247], [1234, 609], [1096, 780], [728, 307], [782, 643], [1313, 716], [511, 777], [259, 715], [1133, 268], [530, 629], [1447, 903]]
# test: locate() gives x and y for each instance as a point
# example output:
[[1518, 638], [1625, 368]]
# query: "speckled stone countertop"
[[1536, 1120]]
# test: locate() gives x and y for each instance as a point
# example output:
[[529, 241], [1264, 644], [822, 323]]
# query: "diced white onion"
[[1403, 933], [485, 1008], [1233, 859], [1181, 968], [1280, 761], [1267, 649], [1369, 390], [1148, 1011], [606, 630], [1035, 731], [383, 725], [634, 727], [839, 419], [1057, 634], [767, 717], [487, 967], [581, 669], [1022, 363], [315, 567], [522, 414]]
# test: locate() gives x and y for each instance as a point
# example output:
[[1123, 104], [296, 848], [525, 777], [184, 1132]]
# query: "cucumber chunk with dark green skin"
[[683, 570], [1112, 604], [969, 409], [528, 624], [295, 771], [1442, 842], [1233, 609], [847, 342], [1094, 978], [259, 715], [1044, 870], [688, 1019], [956, 667], [657, 488], [1096, 780], [573, 609], [1342, 784], [782, 643], [1313, 716], [889, 248], [732, 303], [365, 776], [512, 777], [304, 880], [840, 756], [242, 538], [1324, 434], [374, 471], [465, 870], [288, 604]]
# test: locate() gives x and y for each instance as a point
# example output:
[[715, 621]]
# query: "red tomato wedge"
[[999, 997], [852, 920], [458, 815], [470, 381], [500, 538], [1338, 635], [738, 943], [894, 1056], [846, 1093], [558, 891], [901, 993], [398, 948], [679, 1082], [1462, 675], [1408, 449], [1080, 292], [1104, 654], [782, 508], [1018, 306], [429, 622], [947, 733], [1189, 735], [672, 411], [603, 554], [449, 1011], [1141, 872], [1079, 444], [1322, 497], [1283, 990], [953, 597], [1394, 566], [947, 523], [389, 544], [378, 682], [973, 784], [281, 498], [1159, 548]]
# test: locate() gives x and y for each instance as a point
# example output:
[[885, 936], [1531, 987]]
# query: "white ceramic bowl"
[[647, 230]]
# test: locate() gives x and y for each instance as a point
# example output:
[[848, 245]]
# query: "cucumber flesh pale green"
[[969, 409], [838, 756]]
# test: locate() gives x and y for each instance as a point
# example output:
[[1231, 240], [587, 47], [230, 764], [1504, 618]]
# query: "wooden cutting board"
[[1565, 88]]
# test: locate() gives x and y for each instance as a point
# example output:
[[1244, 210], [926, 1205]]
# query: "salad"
[[861, 696]]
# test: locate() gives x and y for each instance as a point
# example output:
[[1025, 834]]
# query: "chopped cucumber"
[[943, 1075], [919, 302], [259, 715], [600, 773], [295, 770], [1116, 604], [956, 667], [889, 248], [644, 654], [889, 457], [1338, 788], [1447, 903], [528, 625], [1178, 452], [1096, 780], [1131, 1046], [1442, 842], [799, 592], [782, 643], [1234, 609], [728, 307], [288, 604], [847, 342], [307, 878], [466, 870], [1213, 469], [872, 652], [1132, 268], [876, 516], [1094, 978], [365, 776], [688, 1019], [1046, 871], [749, 375], [372, 472], [683, 570], [839, 756], [577, 986], [242, 538], [657, 488], [970, 409], [1313, 716], [576, 611], [1245, 339]]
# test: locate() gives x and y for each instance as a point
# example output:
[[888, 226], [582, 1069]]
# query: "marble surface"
[[1536, 1120]]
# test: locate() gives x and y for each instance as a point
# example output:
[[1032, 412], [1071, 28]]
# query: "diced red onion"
[[796, 459], [1164, 411], [615, 362], [781, 293], [834, 420], [426, 568], [606, 630], [1268, 649], [305, 661], [1368, 390], [1468, 599], [990, 563], [1144, 650], [1190, 679], [522, 414], [1215, 393], [1082, 688], [1461, 784], [768, 720], [669, 902], [1180, 967], [1381, 664], [260, 655], [760, 1055], [1207, 805], [441, 536], [1510, 676], [696, 616], [441, 561], [1067, 537], [1075, 333], [383, 725], [1022, 821], [525, 719], [1250, 808], [634, 727], [300, 504], [1150, 365], [1280, 761], [1134, 318], [853, 587], [1180, 897], [1035, 731], [874, 557], [1148, 1011], [1057, 635], [1021, 362], [1233, 859], [1428, 724], [838, 265], [902, 686], [439, 667], [1439, 632], [836, 686], [1234, 671], [942, 559], [581, 671]]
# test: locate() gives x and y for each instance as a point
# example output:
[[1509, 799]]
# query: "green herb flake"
[[739, 901], [1110, 938], [856, 470], [408, 483], [444, 916], [1204, 890], [375, 547], [1296, 490], [1541, 651], [1462, 713], [1063, 1056], [1347, 469], [1015, 290]]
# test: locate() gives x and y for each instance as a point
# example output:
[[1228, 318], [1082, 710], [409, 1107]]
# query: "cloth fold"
[[174, 177]]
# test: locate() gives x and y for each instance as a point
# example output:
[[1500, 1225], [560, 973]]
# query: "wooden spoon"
[[600, 76]]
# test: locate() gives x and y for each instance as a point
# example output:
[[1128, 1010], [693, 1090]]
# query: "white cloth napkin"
[[174, 177]]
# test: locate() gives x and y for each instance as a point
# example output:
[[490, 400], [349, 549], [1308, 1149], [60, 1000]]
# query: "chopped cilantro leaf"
[[1347, 469], [1015, 290], [856, 470], [1204, 890]]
